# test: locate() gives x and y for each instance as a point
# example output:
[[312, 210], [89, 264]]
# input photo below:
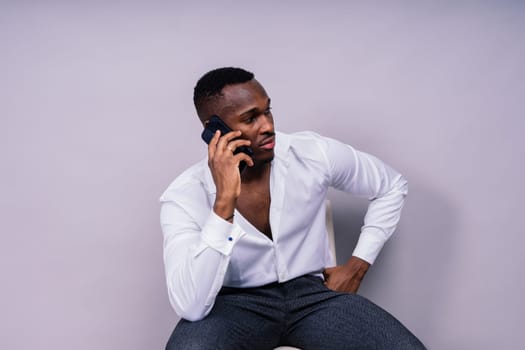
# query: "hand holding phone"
[[215, 123]]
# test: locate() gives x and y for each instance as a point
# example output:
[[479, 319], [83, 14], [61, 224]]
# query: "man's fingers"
[[212, 147], [221, 145], [244, 157], [233, 145], [225, 139], [326, 274]]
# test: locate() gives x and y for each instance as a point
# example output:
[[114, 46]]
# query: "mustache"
[[267, 137]]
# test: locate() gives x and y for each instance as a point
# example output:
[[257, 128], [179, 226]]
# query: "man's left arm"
[[364, 175]]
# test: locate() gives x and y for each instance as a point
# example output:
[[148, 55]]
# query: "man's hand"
[[348, 277], [224, 166]]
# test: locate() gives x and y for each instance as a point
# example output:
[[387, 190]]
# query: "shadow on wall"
[[411, 277]]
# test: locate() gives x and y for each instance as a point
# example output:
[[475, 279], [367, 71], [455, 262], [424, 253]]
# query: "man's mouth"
[[268, 143]]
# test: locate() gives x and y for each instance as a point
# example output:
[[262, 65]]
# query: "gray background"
[[97, 119]]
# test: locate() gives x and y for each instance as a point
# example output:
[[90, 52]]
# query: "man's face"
[[246, 107]]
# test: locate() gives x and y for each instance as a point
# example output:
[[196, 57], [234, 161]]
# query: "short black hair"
[[211, 84]]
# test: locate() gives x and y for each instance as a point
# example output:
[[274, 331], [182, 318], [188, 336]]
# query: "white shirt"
[[203, 252]]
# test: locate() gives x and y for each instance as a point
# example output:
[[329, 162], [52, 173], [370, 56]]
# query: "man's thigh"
[[323, 319], [238, 320]]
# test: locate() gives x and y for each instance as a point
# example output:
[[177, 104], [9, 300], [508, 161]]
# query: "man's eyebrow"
[[255, 109]]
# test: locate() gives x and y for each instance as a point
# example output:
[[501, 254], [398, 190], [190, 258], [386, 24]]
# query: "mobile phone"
[[215, 123]]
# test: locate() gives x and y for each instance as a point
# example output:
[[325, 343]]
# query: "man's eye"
[[250, 120], [268, 111]]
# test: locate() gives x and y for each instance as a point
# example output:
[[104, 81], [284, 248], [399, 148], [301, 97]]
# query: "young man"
[[247, 259]]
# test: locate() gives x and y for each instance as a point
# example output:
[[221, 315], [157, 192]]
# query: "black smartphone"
[[215, 123]]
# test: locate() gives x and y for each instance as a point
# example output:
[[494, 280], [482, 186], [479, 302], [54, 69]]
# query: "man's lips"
[[268, 143]]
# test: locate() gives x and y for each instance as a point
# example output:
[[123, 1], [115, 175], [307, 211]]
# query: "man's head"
[[242, 103], [209, 87]]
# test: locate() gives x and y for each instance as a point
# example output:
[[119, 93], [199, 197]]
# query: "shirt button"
[[230, 238]]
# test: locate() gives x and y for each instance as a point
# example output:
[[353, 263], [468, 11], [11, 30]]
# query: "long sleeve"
[[195, 258], [364, 175]]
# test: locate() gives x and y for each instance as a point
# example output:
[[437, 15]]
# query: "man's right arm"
[[195, 258]]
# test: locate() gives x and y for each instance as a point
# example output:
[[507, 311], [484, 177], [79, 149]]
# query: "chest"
[[254, 205]]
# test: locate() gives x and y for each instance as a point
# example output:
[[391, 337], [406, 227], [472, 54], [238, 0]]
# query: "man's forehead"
[[241, 96], [243, 92]]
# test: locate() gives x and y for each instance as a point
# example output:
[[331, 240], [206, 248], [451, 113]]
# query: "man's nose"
[[266, 124]]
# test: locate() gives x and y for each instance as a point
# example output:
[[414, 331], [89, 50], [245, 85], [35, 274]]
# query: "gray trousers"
[[301, 313]]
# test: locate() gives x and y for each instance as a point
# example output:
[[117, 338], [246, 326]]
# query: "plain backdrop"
[[96, 119]]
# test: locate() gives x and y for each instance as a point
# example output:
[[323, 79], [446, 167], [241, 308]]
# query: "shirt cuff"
[[369, 245], [221, 235]]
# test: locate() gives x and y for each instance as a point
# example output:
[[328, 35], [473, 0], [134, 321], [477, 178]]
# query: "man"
[[247, 258]]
